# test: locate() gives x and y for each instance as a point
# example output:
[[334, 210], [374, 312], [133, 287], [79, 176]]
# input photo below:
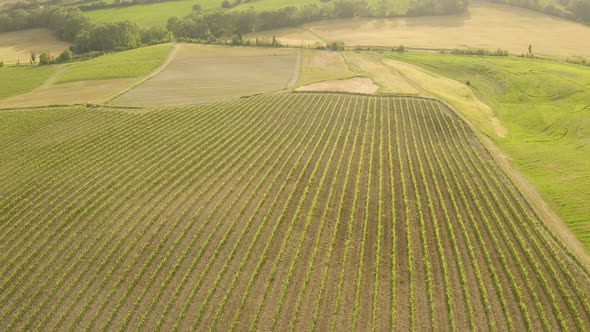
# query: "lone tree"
[[44, 59], [33, 56], [530, 49]]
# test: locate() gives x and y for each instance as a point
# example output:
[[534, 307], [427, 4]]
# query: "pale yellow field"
[[354, 85], [205, 73], [318, 66], [487, 25], [18, 45], [95, 91]]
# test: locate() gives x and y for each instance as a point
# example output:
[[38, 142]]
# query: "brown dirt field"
[[18, 45], [216, 73], [266, 214]]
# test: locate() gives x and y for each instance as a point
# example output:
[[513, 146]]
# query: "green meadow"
[[15, 80], [132, 63]]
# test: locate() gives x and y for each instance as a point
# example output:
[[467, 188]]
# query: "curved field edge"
[[543, 106], [288, 212]]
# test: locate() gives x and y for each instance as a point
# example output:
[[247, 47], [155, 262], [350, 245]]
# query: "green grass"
[[127, 64], [149, 15], [546, 108], [157, 14], [16, 80]]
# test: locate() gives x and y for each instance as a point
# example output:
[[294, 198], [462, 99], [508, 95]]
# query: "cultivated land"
[[204, 73], [22, 79], [94, 80], [19, 44], [295, 211], [486, 25], [545, 107]]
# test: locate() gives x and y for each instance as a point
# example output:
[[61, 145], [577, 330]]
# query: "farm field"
[[544, 107], [205, 73], [133, 63], [22, 79], [486, 25], [19, 44], [285, 212], [157, 14], [95, 80], [149, 15], [318, 66]]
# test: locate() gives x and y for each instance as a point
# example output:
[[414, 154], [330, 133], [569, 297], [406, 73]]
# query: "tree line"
[[71, 25]]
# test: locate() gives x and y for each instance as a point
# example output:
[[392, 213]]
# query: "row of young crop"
[[104, 260], [229, 165], [166, 283], [185, 215], [154, 173], [527, 230], [508, 218], [204, 272]]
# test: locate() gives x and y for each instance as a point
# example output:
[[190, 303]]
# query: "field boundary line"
[[165, 64]]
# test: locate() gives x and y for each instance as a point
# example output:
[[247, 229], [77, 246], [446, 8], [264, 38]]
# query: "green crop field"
[[17, 80], [545, 107], [285, 212], [133, 63]]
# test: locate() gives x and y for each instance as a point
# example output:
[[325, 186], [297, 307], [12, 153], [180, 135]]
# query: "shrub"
[[44, 59]]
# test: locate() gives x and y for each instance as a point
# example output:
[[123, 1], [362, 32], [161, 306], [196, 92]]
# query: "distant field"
[[79, 82], [545, 107], [320, 66], [201, 74], [19, 44], [487, 25], [21, 79], [297, 211], [156, 14], [133, 63]]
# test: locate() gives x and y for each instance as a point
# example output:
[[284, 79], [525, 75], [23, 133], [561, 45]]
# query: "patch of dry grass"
[[18, 45], [320, 66], [355, 85], [80, 92]]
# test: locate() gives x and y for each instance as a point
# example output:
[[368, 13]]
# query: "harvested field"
[[18, 45], [354, 85], [203, 74], [486, 25], [79, 92], [297, 211], [318, 66]]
